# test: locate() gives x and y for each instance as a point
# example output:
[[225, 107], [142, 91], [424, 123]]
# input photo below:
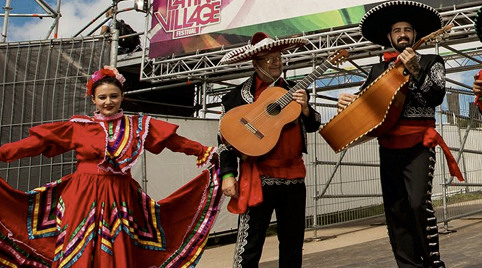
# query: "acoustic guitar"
[[254, 129], [376, 109]]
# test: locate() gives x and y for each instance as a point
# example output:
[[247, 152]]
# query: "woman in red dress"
[[99, 216]]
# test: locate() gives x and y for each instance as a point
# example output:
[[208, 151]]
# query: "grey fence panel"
[[44, 82], [346, 186]]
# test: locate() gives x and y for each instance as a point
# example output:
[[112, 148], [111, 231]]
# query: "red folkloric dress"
[[99, 216]]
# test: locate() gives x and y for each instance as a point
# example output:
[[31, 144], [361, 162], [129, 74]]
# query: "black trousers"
[[406, 177], [288, 199]]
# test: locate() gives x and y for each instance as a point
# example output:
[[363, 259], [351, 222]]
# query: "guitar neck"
[[429, 37], [304, 83]]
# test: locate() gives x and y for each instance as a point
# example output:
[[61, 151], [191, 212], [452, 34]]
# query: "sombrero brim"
[[478, 24], [377, 21], [266, 46]]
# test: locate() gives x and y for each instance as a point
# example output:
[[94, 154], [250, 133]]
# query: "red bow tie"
[[389, 56]]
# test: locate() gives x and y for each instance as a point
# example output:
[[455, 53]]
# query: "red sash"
[[250, 189], [478, 102], [431, 138]]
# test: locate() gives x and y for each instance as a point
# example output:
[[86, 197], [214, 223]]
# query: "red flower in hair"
[[106, 71]]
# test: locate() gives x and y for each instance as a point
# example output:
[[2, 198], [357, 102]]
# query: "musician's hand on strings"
[[230, 187], [410, 60], [301, 97], [344, 99]]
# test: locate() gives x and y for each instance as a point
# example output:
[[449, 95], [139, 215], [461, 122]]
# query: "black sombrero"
[[478, 24], [377, 21], [260, 44]]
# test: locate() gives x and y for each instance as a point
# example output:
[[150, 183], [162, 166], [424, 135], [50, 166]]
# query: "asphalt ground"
[[363, 244]]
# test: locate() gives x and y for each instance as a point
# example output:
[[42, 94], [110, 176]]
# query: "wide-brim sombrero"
[[259, 45], [376, 23], [478, 23]]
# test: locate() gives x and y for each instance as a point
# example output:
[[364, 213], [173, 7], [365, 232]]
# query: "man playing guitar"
[[274, 181]]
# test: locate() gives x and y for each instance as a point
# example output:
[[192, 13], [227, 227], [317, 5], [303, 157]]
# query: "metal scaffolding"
[[461, 51], [49, 13], [47, 75]]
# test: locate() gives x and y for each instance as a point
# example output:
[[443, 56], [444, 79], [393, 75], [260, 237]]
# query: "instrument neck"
[[304, 83]]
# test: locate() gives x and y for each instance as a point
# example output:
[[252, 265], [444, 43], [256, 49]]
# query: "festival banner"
[[181, 27]]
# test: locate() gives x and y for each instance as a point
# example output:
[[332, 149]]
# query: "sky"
[[75, 15]]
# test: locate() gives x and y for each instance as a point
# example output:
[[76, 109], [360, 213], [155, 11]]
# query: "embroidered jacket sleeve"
[[429, 87], [48, 139], [312, 122], [425, 91]]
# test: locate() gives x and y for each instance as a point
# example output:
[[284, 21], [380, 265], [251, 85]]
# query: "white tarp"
[[169, 171]]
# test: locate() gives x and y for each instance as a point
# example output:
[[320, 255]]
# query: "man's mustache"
[[403, 38]]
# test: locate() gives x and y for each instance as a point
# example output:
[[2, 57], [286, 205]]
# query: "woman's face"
[[108, 99]]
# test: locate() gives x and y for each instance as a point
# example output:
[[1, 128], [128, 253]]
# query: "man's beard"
[[401, 47]]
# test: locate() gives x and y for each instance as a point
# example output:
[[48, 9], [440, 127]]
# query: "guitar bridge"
[[251, 128]]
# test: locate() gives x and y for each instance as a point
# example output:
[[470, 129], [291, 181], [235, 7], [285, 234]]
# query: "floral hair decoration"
[[104, 72]]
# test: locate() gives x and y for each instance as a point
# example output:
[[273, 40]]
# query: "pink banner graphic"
[[183, 18], [181, 27]]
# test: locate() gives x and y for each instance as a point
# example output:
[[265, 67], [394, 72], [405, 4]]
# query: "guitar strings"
[[283, 101]]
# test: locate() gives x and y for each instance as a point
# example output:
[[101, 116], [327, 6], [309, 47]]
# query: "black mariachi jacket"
[[244, 94], [425, 93]]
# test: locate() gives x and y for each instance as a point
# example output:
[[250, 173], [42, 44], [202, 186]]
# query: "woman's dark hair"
[[107, 80]]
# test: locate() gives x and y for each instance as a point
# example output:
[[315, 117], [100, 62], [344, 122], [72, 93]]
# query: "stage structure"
[[460, 49], [49, 12], [41, 82]]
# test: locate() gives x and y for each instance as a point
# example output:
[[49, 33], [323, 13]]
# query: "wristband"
[[227, 175]]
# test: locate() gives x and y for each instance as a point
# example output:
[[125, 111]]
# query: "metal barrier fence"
[[44, 82], [346, 186]]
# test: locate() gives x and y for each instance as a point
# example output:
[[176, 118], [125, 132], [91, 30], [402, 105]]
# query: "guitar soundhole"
[[273, 109]]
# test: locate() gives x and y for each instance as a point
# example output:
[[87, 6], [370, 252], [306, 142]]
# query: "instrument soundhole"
[[273, 109]]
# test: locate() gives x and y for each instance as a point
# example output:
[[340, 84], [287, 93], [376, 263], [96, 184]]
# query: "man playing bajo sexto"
[[407, 155], [275, 180], [477, 85]]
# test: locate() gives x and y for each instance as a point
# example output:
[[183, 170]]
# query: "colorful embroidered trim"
[[188, 254], [121, 141], [21, 258], [43, 201], [151, 236], [128, 153], [68, 252], [204, 159], [105, 118]]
